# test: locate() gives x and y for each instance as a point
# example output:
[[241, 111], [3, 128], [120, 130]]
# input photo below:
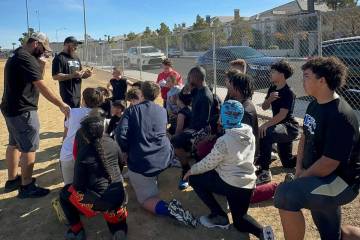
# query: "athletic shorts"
[[144, 187], [24, 131]]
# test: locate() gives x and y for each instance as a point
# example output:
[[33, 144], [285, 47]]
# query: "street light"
[[57, 39], [13, 44], [38, 17], [27, 17], [85, 35]]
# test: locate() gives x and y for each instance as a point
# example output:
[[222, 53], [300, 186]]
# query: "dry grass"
[[34, 218]]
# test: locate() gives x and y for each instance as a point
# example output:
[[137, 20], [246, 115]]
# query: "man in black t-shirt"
[[328, 165], [23, 82], [67, 69], [282, 128], [202, 101]]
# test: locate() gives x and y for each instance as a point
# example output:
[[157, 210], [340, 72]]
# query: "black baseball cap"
[[72, 39]]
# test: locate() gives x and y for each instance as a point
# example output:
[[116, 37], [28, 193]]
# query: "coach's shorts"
[[24, 131], [144, 187]]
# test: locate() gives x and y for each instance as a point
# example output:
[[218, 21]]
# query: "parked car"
[[174, 52], [347, 50], [146, 56], [258, 65]]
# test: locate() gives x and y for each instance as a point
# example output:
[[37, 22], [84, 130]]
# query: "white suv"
[[145, 56]]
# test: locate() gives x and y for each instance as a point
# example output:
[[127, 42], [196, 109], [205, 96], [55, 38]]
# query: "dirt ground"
[[35, 219]]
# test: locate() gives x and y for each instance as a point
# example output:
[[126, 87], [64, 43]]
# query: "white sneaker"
[[268, 233], [212, 221]]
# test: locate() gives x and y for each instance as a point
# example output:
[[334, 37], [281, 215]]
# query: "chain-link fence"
[[260, 43]]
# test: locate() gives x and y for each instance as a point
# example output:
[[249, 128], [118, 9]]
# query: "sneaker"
[[119, 235], [12, 185], [32, 190], [183, 184], [212, 221], [268, 233], [264, 176], [274, 156], [70, 235], [58, 210], [179, 213], [289, 177]]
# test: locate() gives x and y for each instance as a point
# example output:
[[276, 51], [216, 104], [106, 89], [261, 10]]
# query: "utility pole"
[[27, 17], [85, 35], [38, 18]]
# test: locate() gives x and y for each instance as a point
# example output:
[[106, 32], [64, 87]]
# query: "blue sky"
[[113, 17]]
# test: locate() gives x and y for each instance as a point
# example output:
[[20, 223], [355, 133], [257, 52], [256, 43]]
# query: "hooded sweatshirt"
[[232, 158]]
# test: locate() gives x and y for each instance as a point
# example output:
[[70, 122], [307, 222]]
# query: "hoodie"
[[232, 158]]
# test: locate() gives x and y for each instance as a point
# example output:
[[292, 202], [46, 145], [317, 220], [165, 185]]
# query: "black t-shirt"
[[106, 107], [20, 94], [113, 124], [187, 113], [286, 100], [70, 90], [250, 118], [332, 130], [119, 88], [89, 173], [202, 101]]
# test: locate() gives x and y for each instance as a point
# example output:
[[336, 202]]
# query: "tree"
[[164, 30], [25, 36], [147, 33], [131, 36], [200, 39], [336, 4]]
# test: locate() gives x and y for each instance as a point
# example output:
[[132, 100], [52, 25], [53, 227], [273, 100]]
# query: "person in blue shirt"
[[142, 137]]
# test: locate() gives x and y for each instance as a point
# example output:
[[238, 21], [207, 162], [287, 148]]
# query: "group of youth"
[[219, 146]]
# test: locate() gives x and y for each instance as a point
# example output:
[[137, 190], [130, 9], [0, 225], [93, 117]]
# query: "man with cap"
[[67, 69], [23, 80]]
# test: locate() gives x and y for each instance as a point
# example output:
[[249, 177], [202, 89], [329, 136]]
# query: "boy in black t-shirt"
[[117, 109], [328, 165], [282, 128], [118, 84]]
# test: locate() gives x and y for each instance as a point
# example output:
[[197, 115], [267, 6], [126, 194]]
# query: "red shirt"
[[164, 76]]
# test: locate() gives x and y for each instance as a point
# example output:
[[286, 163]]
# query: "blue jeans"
[[323, 196], [283, 135]]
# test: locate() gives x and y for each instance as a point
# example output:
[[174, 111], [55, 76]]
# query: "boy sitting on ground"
[[282, 128]]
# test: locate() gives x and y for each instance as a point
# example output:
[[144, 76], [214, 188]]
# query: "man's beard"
[[37, 53]]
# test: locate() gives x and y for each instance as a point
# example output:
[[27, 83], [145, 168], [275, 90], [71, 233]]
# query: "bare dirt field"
[[35, 219]]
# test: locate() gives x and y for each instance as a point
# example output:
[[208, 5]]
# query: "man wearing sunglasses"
[[23, 81], [67, 69]]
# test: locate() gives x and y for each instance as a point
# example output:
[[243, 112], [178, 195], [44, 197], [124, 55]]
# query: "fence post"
[[102, 55], [214, 59], [319, 18], [140, 65], [122, 56], [167, 46]]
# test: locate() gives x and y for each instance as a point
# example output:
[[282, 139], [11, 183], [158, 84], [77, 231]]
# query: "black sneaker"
[[212, 221], [264, 176], [12, 185], [32, 190], [179, 213], [70, 235]]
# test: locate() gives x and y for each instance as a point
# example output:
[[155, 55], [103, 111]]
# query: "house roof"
[[289, 8]]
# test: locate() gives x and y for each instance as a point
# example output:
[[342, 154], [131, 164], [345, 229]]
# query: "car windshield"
[[246, 52], [149, 50]]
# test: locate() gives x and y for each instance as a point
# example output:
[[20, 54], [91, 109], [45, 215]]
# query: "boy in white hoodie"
[[229, 170]]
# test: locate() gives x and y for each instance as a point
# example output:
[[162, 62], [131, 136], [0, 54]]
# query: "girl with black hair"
[[98, 183]]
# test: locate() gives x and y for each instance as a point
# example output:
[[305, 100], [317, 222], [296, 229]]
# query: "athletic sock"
[[161, 208]]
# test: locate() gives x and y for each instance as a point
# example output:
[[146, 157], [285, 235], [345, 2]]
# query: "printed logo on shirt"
[[310, 123], [75, 64]]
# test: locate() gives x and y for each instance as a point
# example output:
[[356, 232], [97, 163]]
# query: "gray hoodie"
[[232, 158]]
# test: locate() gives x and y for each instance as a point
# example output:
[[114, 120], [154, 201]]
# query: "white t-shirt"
[[73, 124]]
